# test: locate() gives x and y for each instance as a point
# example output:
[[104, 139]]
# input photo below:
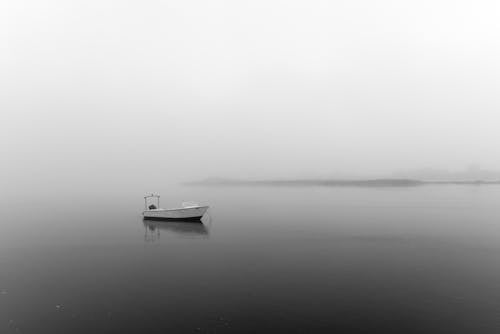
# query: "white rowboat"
[[189, 211]]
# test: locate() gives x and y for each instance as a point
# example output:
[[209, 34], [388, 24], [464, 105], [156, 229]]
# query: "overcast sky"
[[250, 89]]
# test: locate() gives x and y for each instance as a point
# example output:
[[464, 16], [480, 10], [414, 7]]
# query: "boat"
[[188, 212]]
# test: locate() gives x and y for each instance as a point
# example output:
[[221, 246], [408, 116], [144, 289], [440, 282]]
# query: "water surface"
[[292, 260]]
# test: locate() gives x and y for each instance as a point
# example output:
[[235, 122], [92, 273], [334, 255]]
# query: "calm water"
[[291, 260]]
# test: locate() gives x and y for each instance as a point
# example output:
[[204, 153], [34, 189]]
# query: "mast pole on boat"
[[146, 201]]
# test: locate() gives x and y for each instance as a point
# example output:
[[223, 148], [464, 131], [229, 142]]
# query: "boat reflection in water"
[[181, 229]]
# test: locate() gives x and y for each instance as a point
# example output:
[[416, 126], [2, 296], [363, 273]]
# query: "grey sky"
[[248, 88]]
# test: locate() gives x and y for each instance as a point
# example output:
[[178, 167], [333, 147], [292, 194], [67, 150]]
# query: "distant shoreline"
[[379, 182]]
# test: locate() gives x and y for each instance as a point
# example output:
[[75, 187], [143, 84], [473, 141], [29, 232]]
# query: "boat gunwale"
[[176, 209]]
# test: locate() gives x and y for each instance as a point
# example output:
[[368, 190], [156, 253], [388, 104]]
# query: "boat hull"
[[185, 214], [189, 219]]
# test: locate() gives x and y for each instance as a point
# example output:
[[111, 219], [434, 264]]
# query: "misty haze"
[[322, 166]]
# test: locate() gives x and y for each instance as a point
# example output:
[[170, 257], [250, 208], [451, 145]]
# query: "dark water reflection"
[[423, 260], [177, 228]]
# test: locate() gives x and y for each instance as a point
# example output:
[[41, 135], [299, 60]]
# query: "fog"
[[185, 90]]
